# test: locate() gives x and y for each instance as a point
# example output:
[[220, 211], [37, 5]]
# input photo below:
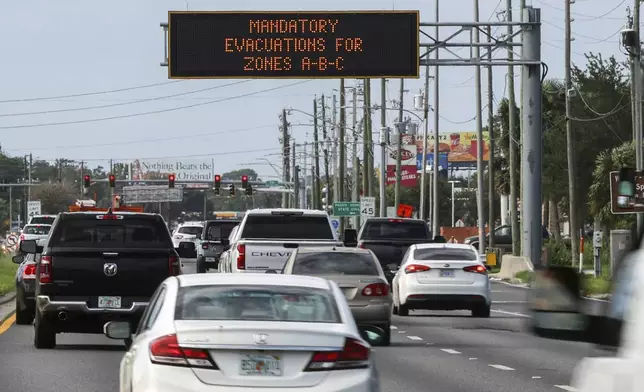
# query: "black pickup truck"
[[98, 267], [389, 239]]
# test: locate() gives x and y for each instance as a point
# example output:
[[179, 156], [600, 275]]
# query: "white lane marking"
[[536, 377], [510, 302], [567, 388], [402, 331], [510, 313], [473, 359], [450, 351], [393, 327], [414, 337], [501, 367]]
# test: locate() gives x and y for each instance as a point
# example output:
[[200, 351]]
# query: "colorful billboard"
[[460, 147], [408, 165], [442, 161]]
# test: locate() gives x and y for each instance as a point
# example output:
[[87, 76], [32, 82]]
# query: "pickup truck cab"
[[265, 238], [97, 267], [559, 312]]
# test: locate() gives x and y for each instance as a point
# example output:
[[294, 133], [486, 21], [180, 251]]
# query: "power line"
[[91, 120], [588, 17], [92, 93], [111, 105], [595, 39]]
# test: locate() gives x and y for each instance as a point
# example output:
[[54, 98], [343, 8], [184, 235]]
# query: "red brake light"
[[29, 272], [410, 269], [166, 351], [376, 290], [241, 257], [479, 269], [396, 220], [354, 355], [45, 269], [204, 246], [174, 266], [361, 245], [22, 237]]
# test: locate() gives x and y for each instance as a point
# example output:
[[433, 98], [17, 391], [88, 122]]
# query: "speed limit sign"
[[367, 207]]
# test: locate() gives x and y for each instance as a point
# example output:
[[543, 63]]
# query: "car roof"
[[444, 245], [38, 224], [44, 216], [129, 213], [268, 211], [253, 279], [383, 219], [195, 223], [338, 249]]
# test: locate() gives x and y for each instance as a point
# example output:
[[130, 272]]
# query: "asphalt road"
[[430, 351]]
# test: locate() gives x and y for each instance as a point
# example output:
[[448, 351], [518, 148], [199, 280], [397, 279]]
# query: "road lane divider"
[[501, 367], [510, 313], [414, 338], [567, 388], [450, 351]]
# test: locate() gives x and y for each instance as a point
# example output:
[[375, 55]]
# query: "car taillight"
[[45, 269], [204, 246], [376, 290], [166, 351], [29, 272], [411, 268], [396, 220], [241, 257], [361, 245], [22, 237], [479, 269], [354, 355], [174, 266]]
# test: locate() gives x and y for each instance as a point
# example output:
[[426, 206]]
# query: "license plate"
[[210, 259], [109, 302], [447, 273], [261, 365]]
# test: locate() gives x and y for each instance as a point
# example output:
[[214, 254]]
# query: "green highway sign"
[[346, 208], [272, 184]]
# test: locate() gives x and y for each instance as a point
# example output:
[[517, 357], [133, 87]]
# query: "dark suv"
[[98, 267]]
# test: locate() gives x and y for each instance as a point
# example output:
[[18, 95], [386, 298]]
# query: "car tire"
[[23, 316], [386, 340], [201, 266], [394, 310], [482, 311], [403, 310], [44, 334]]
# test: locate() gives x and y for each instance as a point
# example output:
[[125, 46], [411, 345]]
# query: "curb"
[[5, 299], [524, 286]]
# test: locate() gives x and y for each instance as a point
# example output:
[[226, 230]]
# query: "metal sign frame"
[[151, 194]]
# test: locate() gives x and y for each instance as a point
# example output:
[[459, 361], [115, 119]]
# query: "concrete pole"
[[531, 153], [435, 218], [423, 175], [334, 150], [399, 146], [479, 136], [512, 143], [343, 150], [285, 146], [383, 147], [370, 161], [637, 67], [354, 155], [490, 129], [315, 189]]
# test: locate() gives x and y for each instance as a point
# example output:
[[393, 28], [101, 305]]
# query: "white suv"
[[41, 219], [187, 232]]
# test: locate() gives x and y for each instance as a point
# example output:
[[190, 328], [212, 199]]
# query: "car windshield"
[[36, 229], [335, 263], [396, 229], [288, 227], [42, 220], [260, 303], [190, 230], [219, 230], [445, 254]]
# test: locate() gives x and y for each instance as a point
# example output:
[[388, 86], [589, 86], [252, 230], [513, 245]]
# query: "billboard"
[[460, 147], [408, 163], [293, 44], [185, 170], [442, 161]]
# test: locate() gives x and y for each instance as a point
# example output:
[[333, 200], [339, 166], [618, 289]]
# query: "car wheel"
[[386, 340], [23, 316], [44, 334], [481, 311], [201, 266], [403, 310]]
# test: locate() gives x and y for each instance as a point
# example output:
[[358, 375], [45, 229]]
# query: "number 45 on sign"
[[368, 207]]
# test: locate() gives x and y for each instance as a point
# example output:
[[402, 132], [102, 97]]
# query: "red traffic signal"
[[86, 180], [171, 181], [217, 181], [244, 182], [112, 180]]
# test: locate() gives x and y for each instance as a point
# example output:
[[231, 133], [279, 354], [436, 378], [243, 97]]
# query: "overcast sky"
[[67, 47]]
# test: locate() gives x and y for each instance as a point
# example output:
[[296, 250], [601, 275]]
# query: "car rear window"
[[305, 227], [335, 263], [42, 220], [37, 229], [253, 303], [217, 231], [396, 229], [192, 230], [127, 232], [445, 254]]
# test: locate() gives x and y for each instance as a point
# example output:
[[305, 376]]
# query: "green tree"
[[55, 198]]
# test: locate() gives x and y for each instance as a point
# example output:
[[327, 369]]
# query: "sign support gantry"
[[531, 150]]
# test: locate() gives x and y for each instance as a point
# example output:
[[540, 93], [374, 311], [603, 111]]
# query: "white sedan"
[[247, 332], [442, 277]]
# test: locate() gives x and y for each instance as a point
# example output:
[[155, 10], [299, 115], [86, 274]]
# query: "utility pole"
[[365, 141], [637, 67], [315, 190], [490, 130], [399, 133], [285, 156], [570, 140], [10, 207], [370, 161], [296, 187], [383, 147], [293, 199], [82, 185], [111, 172], [30, 171], [327, 194], [343, 146], [334, 152], [514, 218], [354, 152], [434, 217], [479, 136]]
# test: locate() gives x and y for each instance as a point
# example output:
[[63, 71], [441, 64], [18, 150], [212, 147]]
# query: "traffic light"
[[87, 180], [249, 190], [112, 180], [171, 181], [244, 182], [231, 189]]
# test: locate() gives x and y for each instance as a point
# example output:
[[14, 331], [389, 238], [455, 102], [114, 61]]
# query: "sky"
[[79, 48]]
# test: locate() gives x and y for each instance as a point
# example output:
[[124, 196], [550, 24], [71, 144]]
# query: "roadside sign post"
[[34, 208], [367, 207], [598, 237], [346, 208]]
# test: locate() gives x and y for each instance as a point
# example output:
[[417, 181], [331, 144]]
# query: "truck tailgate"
[[271, 254], [388, 252], [135, 272]]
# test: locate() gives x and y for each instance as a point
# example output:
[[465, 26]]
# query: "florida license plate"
[[447, 273], [109, 302], [261, 365]]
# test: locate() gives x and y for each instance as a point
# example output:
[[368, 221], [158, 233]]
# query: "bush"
[[558, 253]]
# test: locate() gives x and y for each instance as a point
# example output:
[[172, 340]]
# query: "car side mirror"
[[350, 238], [18, 259], [119, 330], [29, 246]]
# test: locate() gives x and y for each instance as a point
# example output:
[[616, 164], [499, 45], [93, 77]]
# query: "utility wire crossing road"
[[430, 351]]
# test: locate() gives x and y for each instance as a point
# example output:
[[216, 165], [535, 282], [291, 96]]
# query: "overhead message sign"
[[303, 44]]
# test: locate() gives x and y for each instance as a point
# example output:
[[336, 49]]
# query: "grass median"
[[590, 284], [7, 274]]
